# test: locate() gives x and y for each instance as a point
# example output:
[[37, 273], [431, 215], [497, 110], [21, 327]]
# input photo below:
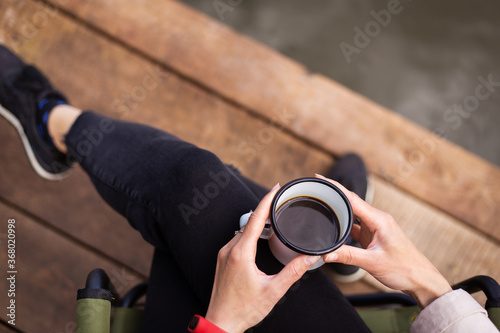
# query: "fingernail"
[[333, 257], [311, 260], [275, 187], [318, 175]]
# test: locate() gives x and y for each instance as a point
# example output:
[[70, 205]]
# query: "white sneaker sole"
[[29, 151], [370, 191]]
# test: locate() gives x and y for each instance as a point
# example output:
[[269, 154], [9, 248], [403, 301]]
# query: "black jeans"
[[187, 203]]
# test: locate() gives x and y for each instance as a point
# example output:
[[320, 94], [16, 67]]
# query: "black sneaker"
[[350, 171], [22, 87]]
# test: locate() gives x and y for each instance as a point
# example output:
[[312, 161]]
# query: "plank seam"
[[254, 114], [190, 80], [10, 327], [69, 237], [427, 205]]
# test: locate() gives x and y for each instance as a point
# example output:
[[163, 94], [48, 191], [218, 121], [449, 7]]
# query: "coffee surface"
[[308, 223]]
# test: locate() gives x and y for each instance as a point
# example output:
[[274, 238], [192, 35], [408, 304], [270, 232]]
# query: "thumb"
[[349, 255], [294, 271]]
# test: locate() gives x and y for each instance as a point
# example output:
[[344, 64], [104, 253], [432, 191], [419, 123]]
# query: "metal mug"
[[282, 245]]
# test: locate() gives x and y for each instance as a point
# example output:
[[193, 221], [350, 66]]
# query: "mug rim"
[[295, 248]]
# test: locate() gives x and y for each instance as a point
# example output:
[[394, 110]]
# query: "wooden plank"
[[103, 80], [6, 329], [456, 249], [50, 269], [175, 105], [72, 205], [326, 113]]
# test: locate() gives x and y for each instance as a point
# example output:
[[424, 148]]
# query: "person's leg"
[[186, 202], [170, 301], [182, 199], [59, 122], [26, 99]]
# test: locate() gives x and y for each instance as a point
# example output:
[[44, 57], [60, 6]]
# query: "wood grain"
[[72, 206], [5, 329], [174, 105], [326, 113], [456, 249], [103, 76], [50, 269], [101, 73]]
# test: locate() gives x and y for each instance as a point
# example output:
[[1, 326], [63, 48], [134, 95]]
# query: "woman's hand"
[[388, 254], [243, 295]]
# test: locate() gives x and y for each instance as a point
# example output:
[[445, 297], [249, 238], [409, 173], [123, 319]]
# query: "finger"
[[292, 272], [336, 183], [235, 239], [229, 245], [257, 220], [355, 232], [350, 255], [359, 207]]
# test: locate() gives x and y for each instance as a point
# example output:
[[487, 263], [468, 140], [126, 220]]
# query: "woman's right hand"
[[388, 254]]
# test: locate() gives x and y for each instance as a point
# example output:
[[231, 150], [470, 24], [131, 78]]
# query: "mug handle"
[[266, 233]]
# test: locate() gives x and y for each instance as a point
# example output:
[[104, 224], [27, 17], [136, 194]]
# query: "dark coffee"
[[308, 223]]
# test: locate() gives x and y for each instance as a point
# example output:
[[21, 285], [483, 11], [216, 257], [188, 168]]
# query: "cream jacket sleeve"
[[453, 312]]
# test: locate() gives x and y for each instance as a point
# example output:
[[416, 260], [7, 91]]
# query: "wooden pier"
[[169, 66]]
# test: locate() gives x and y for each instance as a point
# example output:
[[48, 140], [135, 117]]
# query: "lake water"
[[425, 60]]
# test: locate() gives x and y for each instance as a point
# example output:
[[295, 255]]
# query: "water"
[[423, 64]]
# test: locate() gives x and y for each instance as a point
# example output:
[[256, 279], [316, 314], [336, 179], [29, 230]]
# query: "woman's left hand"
[[243, 295]]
